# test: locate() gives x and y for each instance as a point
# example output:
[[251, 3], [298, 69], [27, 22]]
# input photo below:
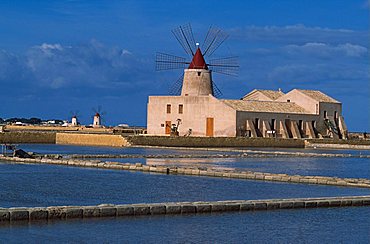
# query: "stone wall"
[[27, 137], [214, 142], [91, 139], [10, 215]]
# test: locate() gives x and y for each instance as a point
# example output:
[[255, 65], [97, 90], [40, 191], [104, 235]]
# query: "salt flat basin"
[[27, 185], [334, 166]]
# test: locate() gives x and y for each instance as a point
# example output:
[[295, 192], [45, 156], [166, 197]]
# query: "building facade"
[[260, 113]]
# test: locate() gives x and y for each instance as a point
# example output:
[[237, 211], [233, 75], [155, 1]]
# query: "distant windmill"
[[189, 83], [74, 118], [98, 117]]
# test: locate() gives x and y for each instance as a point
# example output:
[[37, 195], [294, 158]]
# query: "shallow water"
[[25, 185], [45, 185]]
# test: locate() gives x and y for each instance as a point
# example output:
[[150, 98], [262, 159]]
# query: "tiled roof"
[[265, 106], [273, 95], [318, 96]]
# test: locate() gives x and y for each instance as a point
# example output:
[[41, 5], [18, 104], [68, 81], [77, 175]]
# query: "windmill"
[[197, 77], [74, 117], [98, 117]]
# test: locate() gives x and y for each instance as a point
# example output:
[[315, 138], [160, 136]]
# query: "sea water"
[[46, 185]]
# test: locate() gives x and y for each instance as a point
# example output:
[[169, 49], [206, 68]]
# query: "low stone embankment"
[[9, 215], [214, 141], [87, 139], [27, 137], [238, 174], [238, 153]]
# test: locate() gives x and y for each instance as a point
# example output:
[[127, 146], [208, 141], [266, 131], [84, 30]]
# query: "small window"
[[181, 108], [288, 100], [168, 108], [199, 73], [325, 115]]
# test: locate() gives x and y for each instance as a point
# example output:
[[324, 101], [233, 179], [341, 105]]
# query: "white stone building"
[[260, 113]]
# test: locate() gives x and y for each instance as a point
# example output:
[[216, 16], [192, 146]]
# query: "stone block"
[[310, 204], [323, 204], [218, 207], [232, 207], [286, 205], [226, 175], [91, 212], [312, 181], [73, 212], [173, 209], [188, 208], [346, 202], [273, 205], [299, 204], [322, 181], [124, 210], [366, 202], [268, 177], [195, 172], [210, 173], [38, 214], [295, 179], [219, 174], [357, 202], [132, 167], [146, 167], [4, 215], [259, 177], [108, 211], [203, 208], [180, 171], [246, 206], [234, 175], [304, 180], [334, 203], [158, 209], [141, 209], [17, 214], [276, 178], [260, 206], [56, 213]]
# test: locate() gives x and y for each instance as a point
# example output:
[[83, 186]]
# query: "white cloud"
[[327, 50], [298, 34]]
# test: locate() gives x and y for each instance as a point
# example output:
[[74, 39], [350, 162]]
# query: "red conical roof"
[[198, 61]]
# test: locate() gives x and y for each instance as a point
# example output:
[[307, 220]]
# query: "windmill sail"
[[184, 35], [176, 88], [227, 66], [214, 38], [166, 61], [216, 91]]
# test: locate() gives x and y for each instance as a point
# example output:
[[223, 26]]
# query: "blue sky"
[[62, 56]]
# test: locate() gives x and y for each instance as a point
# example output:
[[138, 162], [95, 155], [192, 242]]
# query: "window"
[[317, 109], [335, 115], [181, 108], [325, 115], [168, 108], [288, 100]]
